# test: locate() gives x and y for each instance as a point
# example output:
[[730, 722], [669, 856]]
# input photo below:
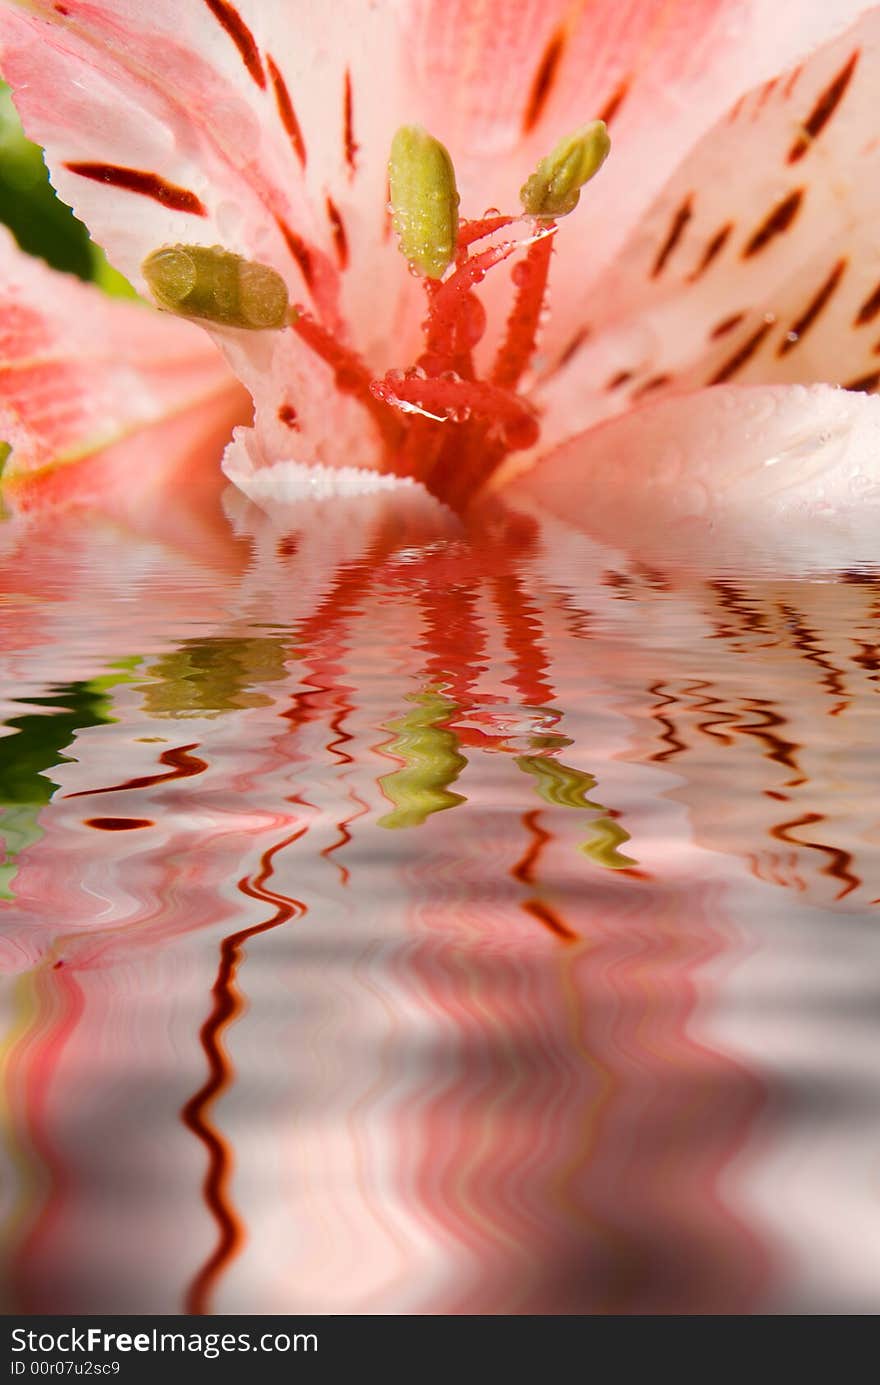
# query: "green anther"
[[213, 284], [554, 188], [424, 200], [432, 762]]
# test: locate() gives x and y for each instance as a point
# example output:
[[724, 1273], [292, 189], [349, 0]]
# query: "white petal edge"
[[286, 485]]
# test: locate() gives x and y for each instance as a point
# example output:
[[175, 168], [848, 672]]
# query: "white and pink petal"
[[736, 478], [502, 83], [759, 262], [102, 397]]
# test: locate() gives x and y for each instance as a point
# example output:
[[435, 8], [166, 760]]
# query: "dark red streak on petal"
[[613, 105], [544, 78], [742, 355], [348, 139], [544, 914], [656, 382], [736, 109], [147, 184], [622, 377], [766, 93], [815, 306], [299, 250], [287, 415], [866, 384], [118, 824], [726, 325], [573, 347], [241, 36], [712, 251], [777, 221], [792, 82], [183, 766], [286, 111], [673, 236], [823, 110], [340, 239], [869, 309], [227, 1005]]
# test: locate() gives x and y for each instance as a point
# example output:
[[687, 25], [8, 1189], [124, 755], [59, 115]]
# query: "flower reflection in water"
[[432, 918]]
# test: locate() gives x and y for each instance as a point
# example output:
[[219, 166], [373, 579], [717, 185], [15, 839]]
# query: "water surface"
[[402, 917]]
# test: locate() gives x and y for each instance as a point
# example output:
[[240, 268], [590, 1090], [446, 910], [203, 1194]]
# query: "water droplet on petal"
[[691, 500]]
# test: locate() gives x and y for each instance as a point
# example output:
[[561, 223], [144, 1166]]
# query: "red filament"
[[440, 422]]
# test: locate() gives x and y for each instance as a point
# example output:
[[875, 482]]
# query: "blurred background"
[[40, 222]]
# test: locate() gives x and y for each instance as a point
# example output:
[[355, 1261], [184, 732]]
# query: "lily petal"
[[775, 478], [506, 81], [759, 262], [101, 399], [266, 130], [209, 124]]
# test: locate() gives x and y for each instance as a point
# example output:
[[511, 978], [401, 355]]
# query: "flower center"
[[441, 421]]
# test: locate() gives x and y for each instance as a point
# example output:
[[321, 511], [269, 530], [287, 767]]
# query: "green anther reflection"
[[424, 200], [213, 284], [432, 761], [563, 786], [554, 188], [602, 846], [207, 677]]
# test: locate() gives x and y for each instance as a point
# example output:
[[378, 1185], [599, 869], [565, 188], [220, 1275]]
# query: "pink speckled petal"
[[759, 261], [505, 82]]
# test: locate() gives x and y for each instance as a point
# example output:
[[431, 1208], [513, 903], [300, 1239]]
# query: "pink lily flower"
[[710, 295], [716, 284]]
